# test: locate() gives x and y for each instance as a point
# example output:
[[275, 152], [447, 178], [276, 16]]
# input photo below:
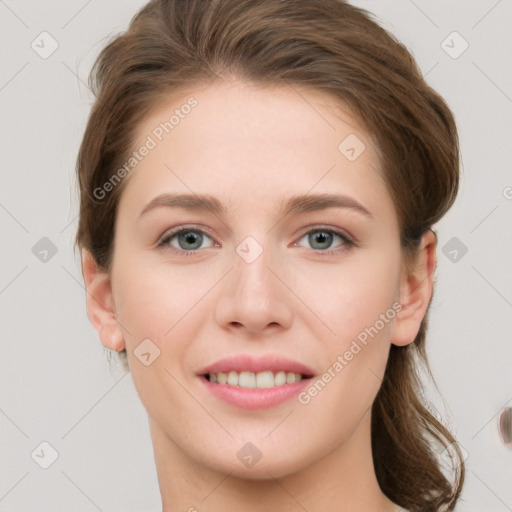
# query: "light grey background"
[[55, 382]]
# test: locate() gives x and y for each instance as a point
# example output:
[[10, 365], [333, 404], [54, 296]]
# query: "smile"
[[250, 380]]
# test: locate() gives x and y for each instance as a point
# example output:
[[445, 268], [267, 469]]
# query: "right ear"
[[100, 304]]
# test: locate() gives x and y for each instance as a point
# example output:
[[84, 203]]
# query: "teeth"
[[264, 380], [250, 380], [233, 379], [280, 378], [246, 380]]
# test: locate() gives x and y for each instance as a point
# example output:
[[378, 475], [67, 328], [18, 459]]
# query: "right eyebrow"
[[205, 203]]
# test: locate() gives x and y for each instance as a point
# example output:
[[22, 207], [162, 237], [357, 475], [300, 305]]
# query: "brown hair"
[[328, 46]]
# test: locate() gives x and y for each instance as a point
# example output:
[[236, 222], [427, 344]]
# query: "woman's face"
[[259, 274]]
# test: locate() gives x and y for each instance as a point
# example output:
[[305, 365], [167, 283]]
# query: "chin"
[[268, 469]]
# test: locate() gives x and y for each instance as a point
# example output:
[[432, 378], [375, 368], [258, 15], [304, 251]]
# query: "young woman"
[[259, 180]]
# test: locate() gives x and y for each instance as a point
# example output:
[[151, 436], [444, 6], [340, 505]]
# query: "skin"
[[251, 148]]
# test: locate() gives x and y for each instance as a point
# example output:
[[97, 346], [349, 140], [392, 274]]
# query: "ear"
[[100, 304], [416, 290]]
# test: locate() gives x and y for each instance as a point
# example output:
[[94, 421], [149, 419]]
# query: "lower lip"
[[255, 398]]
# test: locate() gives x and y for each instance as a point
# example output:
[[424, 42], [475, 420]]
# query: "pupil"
[[323, 238], [190, 238]]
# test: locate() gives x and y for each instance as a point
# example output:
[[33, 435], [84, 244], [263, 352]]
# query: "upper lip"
[[247, 363]]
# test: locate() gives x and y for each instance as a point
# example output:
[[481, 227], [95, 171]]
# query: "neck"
[[343, 480]]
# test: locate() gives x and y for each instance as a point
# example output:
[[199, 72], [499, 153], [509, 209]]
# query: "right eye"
[[184, 240]]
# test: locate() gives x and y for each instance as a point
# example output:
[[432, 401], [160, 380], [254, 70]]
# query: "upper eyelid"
[[310, 228], [178, 229]]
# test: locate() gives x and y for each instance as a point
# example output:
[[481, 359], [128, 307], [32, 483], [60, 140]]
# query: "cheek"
[[156, 300], [350, 296], [167, 305], [356, 301], [159, 303]]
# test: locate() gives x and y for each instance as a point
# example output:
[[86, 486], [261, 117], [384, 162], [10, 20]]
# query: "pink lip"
[[255, 398], [248, 363]]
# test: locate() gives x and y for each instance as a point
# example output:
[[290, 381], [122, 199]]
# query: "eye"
[[190, 240], [322, 240], [185, 240]]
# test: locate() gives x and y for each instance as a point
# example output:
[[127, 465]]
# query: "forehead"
[[252, 115], [238, 140]]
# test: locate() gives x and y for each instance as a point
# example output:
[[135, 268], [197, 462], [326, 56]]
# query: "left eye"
[[323, 239]]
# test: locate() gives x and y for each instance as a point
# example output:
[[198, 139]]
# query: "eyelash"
[[163, 243]]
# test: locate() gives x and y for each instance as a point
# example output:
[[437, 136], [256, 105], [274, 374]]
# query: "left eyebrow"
[[289, 206], [313, 202]]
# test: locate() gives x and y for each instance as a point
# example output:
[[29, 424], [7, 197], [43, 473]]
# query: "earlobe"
[[100, 304], [416, 292]]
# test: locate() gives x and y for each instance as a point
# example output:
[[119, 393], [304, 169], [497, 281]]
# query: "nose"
[[255, 296]]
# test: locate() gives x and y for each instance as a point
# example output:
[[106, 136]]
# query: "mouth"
[[250, 380]]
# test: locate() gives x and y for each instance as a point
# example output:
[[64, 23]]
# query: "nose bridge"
[[256, 297], [251, 272]]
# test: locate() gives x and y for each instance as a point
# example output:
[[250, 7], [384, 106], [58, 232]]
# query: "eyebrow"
[[288, 206]]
